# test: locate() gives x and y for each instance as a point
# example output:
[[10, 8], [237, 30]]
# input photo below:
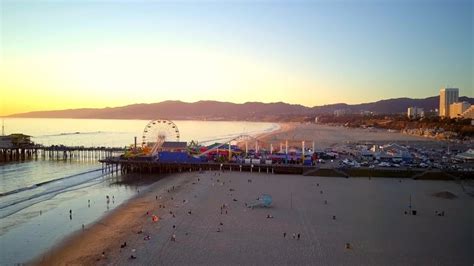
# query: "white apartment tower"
[[415, 112], [447, 96]]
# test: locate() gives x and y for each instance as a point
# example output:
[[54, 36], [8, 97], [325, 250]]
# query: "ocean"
[[43, 201]]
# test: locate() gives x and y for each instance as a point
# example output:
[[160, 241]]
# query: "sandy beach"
[[327, 212], [325, 136], [369, 215]]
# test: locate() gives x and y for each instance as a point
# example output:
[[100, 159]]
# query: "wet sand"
[[369, 215]]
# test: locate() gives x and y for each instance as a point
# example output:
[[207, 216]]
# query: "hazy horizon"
[[191, 102], [94, 54]]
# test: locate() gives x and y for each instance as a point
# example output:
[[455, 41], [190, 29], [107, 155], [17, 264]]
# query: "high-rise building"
[[447, 96], [415, 112], [457, 109]]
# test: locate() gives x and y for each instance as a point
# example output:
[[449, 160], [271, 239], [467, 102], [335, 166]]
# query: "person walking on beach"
[[294, 235], [298, 236], [284, 234], [173, 238]]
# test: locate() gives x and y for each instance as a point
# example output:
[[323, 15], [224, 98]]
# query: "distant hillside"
[[213, 110], [390, 106]]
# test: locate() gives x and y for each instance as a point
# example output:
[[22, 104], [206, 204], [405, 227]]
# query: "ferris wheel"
[[156, 132]]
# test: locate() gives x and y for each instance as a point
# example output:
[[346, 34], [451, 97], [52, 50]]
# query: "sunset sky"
[[72, 54]]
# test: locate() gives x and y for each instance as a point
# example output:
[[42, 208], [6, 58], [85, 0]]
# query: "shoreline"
[[110, 229]]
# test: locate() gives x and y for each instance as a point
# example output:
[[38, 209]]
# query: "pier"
[[57, 152], [117, 165]]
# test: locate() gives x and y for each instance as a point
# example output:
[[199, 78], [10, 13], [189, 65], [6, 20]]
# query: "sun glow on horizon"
[[127, 75], [94, 54]]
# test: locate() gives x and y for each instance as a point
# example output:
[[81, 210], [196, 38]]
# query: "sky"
[[73, 54]]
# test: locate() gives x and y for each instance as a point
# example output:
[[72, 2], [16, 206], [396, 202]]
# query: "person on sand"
[[123, 245], [299, 236], [294, 235], [284, 234], [173, 238], [133, 257]]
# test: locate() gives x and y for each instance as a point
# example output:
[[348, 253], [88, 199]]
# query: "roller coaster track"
[[228, 141]]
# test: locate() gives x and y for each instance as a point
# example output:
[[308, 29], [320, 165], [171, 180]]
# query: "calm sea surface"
[[36, 196]]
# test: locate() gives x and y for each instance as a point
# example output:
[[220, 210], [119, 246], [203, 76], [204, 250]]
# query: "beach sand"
[[369, 215], [325, 136]]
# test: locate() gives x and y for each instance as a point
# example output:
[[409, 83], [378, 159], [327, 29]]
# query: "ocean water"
[[36, 196]]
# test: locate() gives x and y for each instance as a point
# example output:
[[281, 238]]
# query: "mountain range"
[[253, 111]]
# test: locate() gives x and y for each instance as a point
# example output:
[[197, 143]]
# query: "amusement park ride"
[[161, 141], [156, 132], [159, 131]]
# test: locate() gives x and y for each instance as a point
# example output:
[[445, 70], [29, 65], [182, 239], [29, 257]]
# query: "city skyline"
[[58, 55]]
